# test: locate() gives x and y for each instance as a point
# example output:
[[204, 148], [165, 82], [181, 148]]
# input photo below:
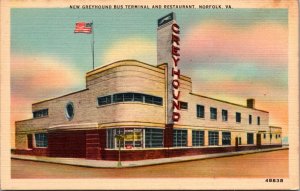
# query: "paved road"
[[261, 165]]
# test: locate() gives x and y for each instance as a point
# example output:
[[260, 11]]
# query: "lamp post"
[[119, 138]]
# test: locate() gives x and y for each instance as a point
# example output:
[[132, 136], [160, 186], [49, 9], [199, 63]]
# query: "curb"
[[171, 160]]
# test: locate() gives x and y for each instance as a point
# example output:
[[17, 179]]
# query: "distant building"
[[152, 107]]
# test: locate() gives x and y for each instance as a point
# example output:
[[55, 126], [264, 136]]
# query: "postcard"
[[149, 95]]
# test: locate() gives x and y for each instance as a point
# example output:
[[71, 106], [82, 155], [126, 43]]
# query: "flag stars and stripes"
[[83, 27]]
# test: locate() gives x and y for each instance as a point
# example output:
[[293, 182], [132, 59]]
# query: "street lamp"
[[119, 138]]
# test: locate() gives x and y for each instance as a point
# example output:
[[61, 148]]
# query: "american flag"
[[83, 27]]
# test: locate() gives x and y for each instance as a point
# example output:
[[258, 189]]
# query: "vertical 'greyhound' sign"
[[168, 52]]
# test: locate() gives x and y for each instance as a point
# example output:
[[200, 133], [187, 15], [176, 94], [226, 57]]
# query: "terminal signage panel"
[[165, 19]]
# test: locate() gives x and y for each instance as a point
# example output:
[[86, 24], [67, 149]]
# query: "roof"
[[228, 102]]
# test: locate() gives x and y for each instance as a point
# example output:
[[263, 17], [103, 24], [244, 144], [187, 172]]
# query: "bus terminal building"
[[151, 107]]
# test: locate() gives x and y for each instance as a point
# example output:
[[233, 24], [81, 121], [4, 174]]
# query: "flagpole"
[[93, 45]]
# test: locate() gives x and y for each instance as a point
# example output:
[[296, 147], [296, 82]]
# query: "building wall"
[[125, 76], [133, 76], [189, 117]]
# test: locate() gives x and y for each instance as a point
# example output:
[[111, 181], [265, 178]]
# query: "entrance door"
[[258, 139], [29, 141]]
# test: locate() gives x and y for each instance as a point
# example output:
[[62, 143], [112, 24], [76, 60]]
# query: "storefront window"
[[180, 138], [250, 139], [41, 140], [226, 138], [198, 138], [134, 138], [213, 138], [154, 138]]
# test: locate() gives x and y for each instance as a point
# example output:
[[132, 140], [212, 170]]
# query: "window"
[[264, 136], [198, 138], [224, 115], [238, 117], [41, 140], [134, 138], [148, 99], [179, 138], [40, 113], [240, 141], [279, 135], [226, 138], [200, 111], [270, 135], [69, 111], [154, 138], [258, 120], [183, 105], [104, 100], [157, 100], [250, 139], [213, 138], [130, 97], [276, 136], [110, 143], [118, 97], [138, 97], [250, 119], [213, 113]]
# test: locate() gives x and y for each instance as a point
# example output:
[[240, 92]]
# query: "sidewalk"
[[126, 164]]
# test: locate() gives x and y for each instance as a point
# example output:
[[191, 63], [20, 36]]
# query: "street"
[[259, 165]]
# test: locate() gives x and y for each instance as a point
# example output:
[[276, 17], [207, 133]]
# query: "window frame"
[[213, 116], [224, 111], [198, 138], [252, 140], [108, 100], [43, 143], [226, 133], [184, 103], [258, 120], [238, 117], [250, 120], [40, 113], [200, 108], [182, 136], [212, 134]]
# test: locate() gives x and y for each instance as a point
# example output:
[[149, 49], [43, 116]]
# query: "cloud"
[[35, 78], [260, 43], [140, 49], [232, 62]]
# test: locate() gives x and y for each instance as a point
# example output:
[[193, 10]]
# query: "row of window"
[[276, 136], [154, 138], [180, 138], [214, 114], [40, 113], [130, 97]]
